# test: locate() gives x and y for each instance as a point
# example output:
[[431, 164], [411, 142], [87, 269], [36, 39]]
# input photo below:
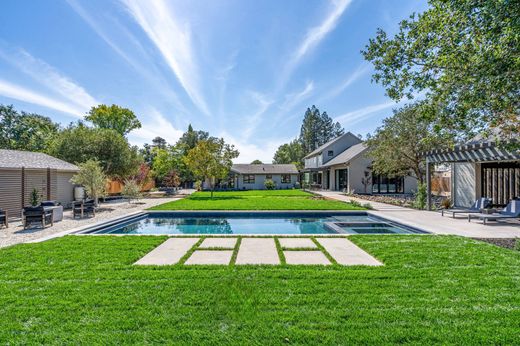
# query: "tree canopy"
[[120, 119], [211, 159], [464, 55], [397, 146], [256, 162], [291, 152], [79, 143], [25, 131]]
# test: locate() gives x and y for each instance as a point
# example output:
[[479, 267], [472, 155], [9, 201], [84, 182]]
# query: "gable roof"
[[264, 169], [347, 155], [321, 148], [32, 160]]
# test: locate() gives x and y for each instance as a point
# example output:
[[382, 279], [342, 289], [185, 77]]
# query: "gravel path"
[[15, 234]]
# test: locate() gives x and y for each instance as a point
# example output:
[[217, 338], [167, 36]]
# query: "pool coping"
[[90, 229]]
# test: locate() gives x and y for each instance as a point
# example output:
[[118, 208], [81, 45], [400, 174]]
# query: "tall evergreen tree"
[[317, 129]]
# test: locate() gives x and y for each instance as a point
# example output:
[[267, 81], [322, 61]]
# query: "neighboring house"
[[480, 168], [253, 177], [343, 165], [23, 171]]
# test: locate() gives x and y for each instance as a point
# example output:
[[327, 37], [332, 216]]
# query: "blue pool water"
[[255, 224]]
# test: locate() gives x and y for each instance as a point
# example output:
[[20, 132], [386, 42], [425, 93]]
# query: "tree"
[[211, 159], [290, 153], [171, 179], [148, 150], [190, 138], [142, 176], [463, 55], [79, 143], [397, 146], [31, 132], [257, 162], [317, 129], [131, 189], [122, 120], [92, 178], [166, 160]]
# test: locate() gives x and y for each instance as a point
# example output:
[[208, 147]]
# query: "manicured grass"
[[255, 200], [432, 290]]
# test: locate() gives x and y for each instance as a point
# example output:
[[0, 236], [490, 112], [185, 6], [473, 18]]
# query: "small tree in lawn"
[[211, 159], [92, 178]]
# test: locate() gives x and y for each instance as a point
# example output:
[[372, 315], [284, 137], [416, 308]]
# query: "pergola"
[[500, 177]]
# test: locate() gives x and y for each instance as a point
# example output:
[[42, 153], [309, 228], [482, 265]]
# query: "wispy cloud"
[[22, 94], [143, 65], [173, 41], [358, 115], [155, 125], [315, 35], [250, 151], [50, 78], [293, 99], [358, 73], [262, 103]]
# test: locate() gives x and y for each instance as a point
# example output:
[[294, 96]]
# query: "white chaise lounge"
[[512, 211]]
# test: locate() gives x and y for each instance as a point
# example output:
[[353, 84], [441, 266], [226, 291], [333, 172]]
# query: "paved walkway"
[[258, 251], [433, 222]]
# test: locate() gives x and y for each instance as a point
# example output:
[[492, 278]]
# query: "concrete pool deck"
[[258, 251], [433, 221]]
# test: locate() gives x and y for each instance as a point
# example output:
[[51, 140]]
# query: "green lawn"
[[255, 200], [432, 290]]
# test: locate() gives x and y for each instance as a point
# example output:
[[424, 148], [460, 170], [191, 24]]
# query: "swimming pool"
[[252, 223]]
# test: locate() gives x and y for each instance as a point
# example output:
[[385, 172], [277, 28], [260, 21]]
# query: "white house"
[[342, 164], [253, 176]]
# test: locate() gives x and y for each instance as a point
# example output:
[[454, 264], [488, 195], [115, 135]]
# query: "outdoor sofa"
[[511, 211], [481, 203], [4, 218], [83, 208], [38, 215]]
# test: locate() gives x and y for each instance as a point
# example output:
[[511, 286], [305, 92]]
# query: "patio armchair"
[[511, 211], [83, 208], [37, 215], [4, 218], [481, 203]]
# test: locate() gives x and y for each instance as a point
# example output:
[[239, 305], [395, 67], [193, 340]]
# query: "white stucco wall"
[[464, 182]]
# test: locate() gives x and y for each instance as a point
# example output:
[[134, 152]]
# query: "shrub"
[[35, 197], [420, 197], [131, 189], [297, 185], [269, 184], [446, 203], [198, 185]]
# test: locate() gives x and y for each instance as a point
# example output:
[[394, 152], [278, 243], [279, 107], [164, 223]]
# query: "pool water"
[[254, 224]]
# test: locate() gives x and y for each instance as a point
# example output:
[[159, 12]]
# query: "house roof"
[[32, 160], [264, 169], [320, 149], [347, 155]]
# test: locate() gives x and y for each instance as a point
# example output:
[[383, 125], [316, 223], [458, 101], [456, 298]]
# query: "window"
[[268, 177], [286, 178], [249, 179], [330, 153], [385, 184]]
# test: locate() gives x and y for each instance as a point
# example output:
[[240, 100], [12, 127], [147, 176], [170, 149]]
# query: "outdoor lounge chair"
[[37, 215], [512, 211], [83, 208], [3, 218], [479, 204]]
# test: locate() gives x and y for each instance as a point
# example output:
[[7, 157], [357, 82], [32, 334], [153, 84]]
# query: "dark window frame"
[[381, 185], [330, 153], [248, 179], [268, 177], [284, 179]]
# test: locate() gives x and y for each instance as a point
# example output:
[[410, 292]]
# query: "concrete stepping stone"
[[227, 243], [306, 257], [169, 252], [295, 243], [200, 257], [347, 253], [257, 251]]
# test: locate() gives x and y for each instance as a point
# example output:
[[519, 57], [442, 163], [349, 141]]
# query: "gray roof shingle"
[[264, 169], [32, 160], [347, 155]]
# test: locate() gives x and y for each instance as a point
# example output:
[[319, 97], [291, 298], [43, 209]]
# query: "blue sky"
[[244, 70]]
